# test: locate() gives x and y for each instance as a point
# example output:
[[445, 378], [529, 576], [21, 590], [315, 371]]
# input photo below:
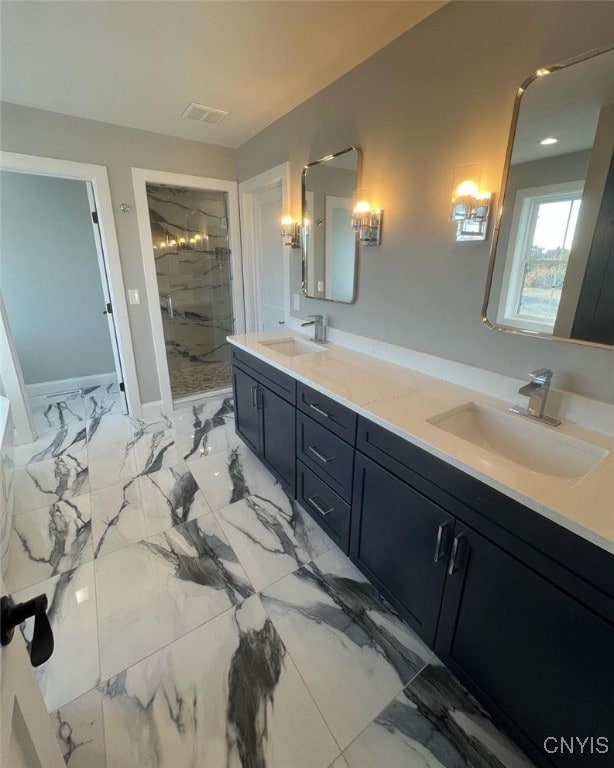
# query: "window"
[[541, 238]]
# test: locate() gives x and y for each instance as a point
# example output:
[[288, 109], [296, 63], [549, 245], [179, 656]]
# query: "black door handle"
[[12, 615]]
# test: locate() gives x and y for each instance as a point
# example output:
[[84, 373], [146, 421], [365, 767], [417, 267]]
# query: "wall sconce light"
[[470, 205], [366, 221], [291, 232]]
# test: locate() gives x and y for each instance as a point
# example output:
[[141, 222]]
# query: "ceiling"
[[139, 64], [564, 105]]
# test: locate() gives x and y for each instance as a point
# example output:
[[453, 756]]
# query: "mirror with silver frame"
[[329, 244], [551, 271]]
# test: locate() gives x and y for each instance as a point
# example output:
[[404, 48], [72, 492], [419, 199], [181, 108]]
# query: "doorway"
[[192, 260], [264, 199], [57, 300]]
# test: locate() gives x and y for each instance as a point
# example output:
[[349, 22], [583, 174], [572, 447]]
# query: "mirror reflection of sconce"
[[470, 204], [291, 232], [366, 221]]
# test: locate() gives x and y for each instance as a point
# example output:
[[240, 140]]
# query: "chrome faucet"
[[319, 328], [537, 392]]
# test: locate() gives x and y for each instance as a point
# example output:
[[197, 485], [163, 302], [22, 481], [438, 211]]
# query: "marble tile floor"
[[201, 618]]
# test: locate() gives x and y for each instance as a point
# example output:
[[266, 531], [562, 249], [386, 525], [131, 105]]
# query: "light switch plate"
[[134, 296], [297, 301]]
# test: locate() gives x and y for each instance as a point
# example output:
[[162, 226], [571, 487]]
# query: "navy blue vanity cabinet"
[[325, 435], [401, 541], [247, 414], [277, 446], [541, 661], [265, 415]]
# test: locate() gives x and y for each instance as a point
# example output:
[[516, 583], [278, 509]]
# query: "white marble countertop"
[[402, 400]]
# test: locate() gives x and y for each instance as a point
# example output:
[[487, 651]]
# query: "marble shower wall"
[[190, 235]]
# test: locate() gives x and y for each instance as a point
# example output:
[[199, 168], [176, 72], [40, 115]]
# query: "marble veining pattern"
[[272, 535], [434, 722], [227, 694], [165, 656], [49, 541], [351, 648]]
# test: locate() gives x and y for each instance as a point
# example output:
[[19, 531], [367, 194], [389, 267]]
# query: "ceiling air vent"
[[205, 114]]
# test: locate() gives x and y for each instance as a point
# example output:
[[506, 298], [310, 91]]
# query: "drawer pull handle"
[[438, 553], [320, 411], [452, 569], [319, 455], [318, 508]]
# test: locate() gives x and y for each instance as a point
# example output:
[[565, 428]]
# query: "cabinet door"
[[534, 655], [278, 438], [400, 540], [247, 414]]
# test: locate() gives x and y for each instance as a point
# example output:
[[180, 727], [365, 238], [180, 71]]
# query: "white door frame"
[[140, 177], [97, 176], [13, 383], [280, 174]]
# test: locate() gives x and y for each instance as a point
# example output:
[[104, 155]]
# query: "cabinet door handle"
[[254, 400], [320, 411], [318, 508], [320, 456], [438, 553], [453, 568]]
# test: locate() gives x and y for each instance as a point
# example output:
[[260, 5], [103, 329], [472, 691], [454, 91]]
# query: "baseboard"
[[69, 385]]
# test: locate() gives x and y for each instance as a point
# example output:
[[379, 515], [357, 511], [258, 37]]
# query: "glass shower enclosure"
[[189, 232]]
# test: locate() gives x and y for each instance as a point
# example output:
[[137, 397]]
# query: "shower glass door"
[[189, 231]]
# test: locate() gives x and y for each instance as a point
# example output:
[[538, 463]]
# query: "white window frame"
[[523, 221]]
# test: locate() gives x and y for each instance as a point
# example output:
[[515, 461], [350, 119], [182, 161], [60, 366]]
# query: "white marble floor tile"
[[117, 517], [161, 588], [73, 668], [98, 402], [45, 482], [111, 464], [109, 428], [71, 438], [79, 729], [170, 497], [51, 413], [49, 541], [352, 650], [207, 427], [434, 722], [224, 696], [154, 451], [271, 535], [229, 476]]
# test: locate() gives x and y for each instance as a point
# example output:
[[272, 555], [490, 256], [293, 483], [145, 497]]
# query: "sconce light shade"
[[366, 221], [291, 232], [470, 205]]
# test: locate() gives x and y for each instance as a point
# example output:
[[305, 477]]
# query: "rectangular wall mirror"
[[329, 244], [551, 272]]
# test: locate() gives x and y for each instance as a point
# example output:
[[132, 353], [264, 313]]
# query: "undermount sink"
[[531, 445], [292, 347]]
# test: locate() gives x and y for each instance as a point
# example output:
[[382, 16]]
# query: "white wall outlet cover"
[[297, 301], [320, 285], [134, 297]]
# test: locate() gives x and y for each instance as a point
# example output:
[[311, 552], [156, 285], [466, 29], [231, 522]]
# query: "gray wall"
[[439, 96], [48, 134], [50, 278]]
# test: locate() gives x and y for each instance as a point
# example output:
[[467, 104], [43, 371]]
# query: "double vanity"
[[491, 534]]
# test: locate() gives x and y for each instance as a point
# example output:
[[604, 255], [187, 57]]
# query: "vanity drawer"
[[327, 412], [324, 505], [324, 453], [278, 382]]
